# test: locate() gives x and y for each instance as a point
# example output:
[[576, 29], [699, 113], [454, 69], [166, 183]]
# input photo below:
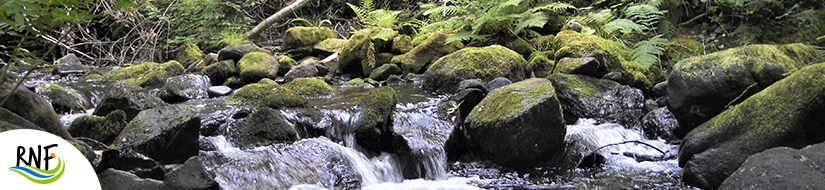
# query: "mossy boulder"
[[188, 53], [285, 63], [374, 127], [63, 100], [148, 74], [401, 44], [234, 82], [786, 113], [235, 53], [184, 87], [308, 87], [572, 44], [581, 65], [93, 75], [331, 45], [604, 100], [300, 36], [419, 58], [30, 106], [102, 129], [284, 100], [219, 72], [681, 47], [781, 168], [357, 57], [256, 66], [384, 72], [519, 125], [168, 134], [254, 92], [541, 64], [131, 99], [520, 46], [485, 63], [263, 127], [701, 87], [305, 69]]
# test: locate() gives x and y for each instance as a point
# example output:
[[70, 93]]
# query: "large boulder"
[[485, 63], [69, 64], [787, 113], [383, 73], [102, 129], [191, 175], [30, 106], [572, 44], [257, 65], [188, 54], [63, 100], [148, 74], [781, 168], [374, 126], [235, 53], [11, 121], [168, 134], [357, 57], [117, 179], [519, 125], [254, 92], [219, 72], [331, 45], [604, 100], [130, 161], [430, 50], [184, 87], [263, 127], [131, 99], [308, 87], [660, 123], [300, 36], [305, 69], [701, 87]]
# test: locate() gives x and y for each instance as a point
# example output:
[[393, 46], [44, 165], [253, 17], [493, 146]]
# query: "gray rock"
[[184, 87], [130, 99], [116, 179], [584, 66], [11, 121], [781, 168], [374, 126], [384, 71], [604, 100], [29, 105], [130, 161], [168, 134], [63, 100], [263, 127], [306, 68], [216, 91], [103, 129], [498, 83], [219, 72], [660, 123], [69, 64], [235, 53], [191, 175]]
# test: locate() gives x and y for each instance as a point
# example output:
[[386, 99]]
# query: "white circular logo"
[[40, 160]]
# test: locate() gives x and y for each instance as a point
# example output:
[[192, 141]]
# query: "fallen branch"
[[266, 23]]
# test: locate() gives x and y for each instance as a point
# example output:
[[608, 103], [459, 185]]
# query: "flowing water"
[[334, 161]]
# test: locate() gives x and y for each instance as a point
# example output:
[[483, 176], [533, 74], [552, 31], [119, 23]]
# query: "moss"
[[753, 57], [379, 101], [485, 63], [148, 74], [267, 81], [310, 87], [680, 47], [301, 36], [509, 101], [610, 54], [540, 64], [254, 92], [331, 45], [229, 39], [285, 100], [358, 52], [234, 82], [285, 61], [402, 44], [521, 46], [575, 83], [355, 81], [93, 75], [189, 53], [62, 99], [427, 52], [257, 65]]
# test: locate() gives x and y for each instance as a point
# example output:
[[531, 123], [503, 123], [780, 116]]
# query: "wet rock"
[[220, 71], [384, 72], [130, 99], [701, 87], [263, 127], [374, 126], [660, 89], [485, 63], [12, 121], [255, 66], [191, 175], [284, 100], [198, 66], [781, 168], [63, 100], [468, 98], [189, 54], [184, 87], [604, 100], [69, 64], [457, 145], [235, 82], [472, 83], [216, 91], [103, 129], [587, 66], [660, 123], [305, 69], [148, 74], [30, 106], [787, 113], [130, 161], [168, 134], [331, 45], [116, 179], [235, 53], [322, 69], [519, 125], [423, 55], [308, 87], [299, 36], [498, 82], [541, 63], [356, 56], [254, 92], [572, 44]]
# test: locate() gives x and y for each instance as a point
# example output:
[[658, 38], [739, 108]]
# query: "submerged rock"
[[130, 99], [168, 134], [701, 87], [787, 113], [103, 129], [604, 100], [263, 127], [374, 126], [781, 168], [519, 125], [184, 87], [485, 63]]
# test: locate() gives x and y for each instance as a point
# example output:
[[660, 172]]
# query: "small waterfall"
[[622, 147]]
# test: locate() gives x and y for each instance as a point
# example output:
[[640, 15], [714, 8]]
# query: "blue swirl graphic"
[[31, 172]]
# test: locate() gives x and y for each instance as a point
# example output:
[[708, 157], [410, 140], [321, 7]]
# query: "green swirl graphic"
[[27, 173]]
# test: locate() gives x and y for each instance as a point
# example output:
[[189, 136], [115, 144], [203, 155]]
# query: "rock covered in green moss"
[[285, 100], [583, 65], [93, 75], [285, 63], [308, 87], [219, 72], [374, 127], [541, 64], [521, 46], [384, 72], [331, 45], [263, 127], [401, 44], [485, 63], [148, 74], [604, 100], [131, 99], [255, 66], [424, 54], [188, 54], [168, 134], [701, 87], [576, 45], [519, 125], [235, 53], [254, 92], [300, 36], [305, 69], [184, 87], [358, 55], [234, 82], [63, 100], [103, 129], [786, 113], [681, 47]]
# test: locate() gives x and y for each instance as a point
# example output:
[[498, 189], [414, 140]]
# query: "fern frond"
[[555, 6], [463, 36], [385, 34], [511, 3], [645, 14], [367, 5], [359, 12], [445, 10], [530, 20], [384, 18], [624, 25], [647, 52]]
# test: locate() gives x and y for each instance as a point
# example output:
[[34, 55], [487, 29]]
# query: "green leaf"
[[462, 36], [588, 31], [647, 52], [623, 24]]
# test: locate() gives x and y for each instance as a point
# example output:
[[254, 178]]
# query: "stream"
[[334, 161]]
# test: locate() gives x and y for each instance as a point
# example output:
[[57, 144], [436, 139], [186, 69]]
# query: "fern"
[[624, 25], [645, 14], [464, 36], [647, 52]]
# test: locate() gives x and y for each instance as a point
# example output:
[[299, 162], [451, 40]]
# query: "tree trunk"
[[266, 23]]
